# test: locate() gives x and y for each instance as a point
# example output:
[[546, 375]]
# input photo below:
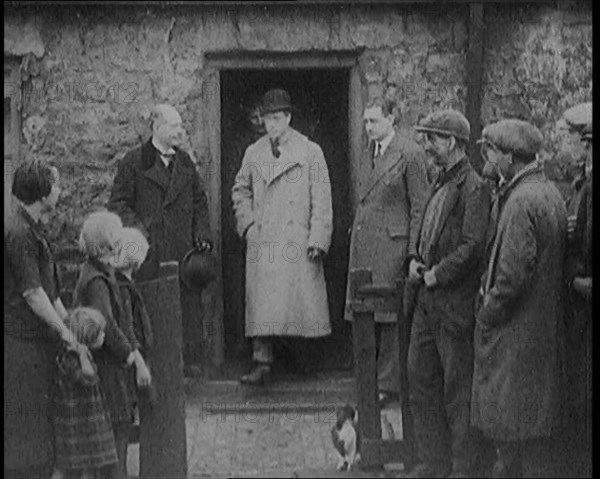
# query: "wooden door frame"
[[219, 61]]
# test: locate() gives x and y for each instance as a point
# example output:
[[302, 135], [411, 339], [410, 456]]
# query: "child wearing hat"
[[132, 251], [84, 440], [97, 288]]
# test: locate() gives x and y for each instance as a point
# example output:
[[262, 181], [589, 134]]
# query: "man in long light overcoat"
[[385, 226], [282, 202], [519, 332]]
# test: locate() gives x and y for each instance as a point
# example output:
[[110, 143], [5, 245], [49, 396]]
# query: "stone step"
[[321, 393]]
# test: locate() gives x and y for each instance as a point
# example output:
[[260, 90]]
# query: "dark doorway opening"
[[320, 98]]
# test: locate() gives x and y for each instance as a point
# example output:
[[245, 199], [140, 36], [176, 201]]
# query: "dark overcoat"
[[386, 221], [519, 332], [579, 327], [457, 246], [171, 211]]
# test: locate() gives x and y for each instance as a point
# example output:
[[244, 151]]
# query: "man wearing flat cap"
[[282, 203], [519, 331], [579, 324], [446, 270], [575, 120]]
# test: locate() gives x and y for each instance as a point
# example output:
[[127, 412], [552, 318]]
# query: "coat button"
[[358, 228]]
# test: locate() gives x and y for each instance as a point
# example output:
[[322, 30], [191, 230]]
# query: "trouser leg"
[[262, 350], [192, 327], [121, 431], [456, 353], [388, 358], [425, 376]]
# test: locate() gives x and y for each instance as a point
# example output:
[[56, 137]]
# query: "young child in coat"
[[84, 440], [132, 251], [97, 288]]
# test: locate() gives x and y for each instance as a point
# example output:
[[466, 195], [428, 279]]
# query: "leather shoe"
[[260, 376], [429, 470]]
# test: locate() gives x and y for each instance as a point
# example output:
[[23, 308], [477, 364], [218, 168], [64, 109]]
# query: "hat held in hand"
[[197, 269]]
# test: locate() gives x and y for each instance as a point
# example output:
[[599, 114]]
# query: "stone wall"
[[90, 75], [538, 63]]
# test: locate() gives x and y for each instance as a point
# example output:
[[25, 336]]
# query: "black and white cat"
[[345, 437]]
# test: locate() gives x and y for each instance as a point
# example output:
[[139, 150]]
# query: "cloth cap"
[[515, 136], [578, 118], [446, 122], [276, 100]]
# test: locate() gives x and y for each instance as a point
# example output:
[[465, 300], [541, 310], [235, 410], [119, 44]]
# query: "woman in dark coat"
[[33, 324]]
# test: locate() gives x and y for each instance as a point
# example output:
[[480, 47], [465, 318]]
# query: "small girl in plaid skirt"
[[84, 439]]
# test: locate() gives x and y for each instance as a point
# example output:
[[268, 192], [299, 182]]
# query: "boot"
[[260, 376]]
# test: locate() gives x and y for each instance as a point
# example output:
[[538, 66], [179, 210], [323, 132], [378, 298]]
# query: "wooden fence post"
[[163, 448], [367, 298]]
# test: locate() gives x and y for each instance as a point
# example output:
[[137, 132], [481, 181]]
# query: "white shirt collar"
[[383, 144], [163, 152]]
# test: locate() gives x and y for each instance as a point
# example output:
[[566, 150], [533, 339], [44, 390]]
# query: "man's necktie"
[[376, 153], [169, 159], [275, 147]]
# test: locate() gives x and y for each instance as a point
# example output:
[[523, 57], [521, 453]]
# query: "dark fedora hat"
[[197, 269], [275, 100]]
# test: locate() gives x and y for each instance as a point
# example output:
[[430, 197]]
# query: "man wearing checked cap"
[[578, 119], [446, 272], [519, 335]]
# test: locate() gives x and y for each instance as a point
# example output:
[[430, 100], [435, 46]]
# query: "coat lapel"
[[503, 195], [451, 199], [288, 164], [154, 170], [289, 158], [179, 177], [391, 157]]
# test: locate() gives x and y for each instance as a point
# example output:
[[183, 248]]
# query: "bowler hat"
[[514, 136], [275, 100], [197, 269], [446, 122], [578, 118]]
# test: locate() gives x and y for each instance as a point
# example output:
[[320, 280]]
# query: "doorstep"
[[323, 391]]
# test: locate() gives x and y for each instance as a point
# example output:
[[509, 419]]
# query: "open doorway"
[[320, 99]]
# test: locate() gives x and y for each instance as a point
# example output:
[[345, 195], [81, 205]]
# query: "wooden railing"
[[368, 298]]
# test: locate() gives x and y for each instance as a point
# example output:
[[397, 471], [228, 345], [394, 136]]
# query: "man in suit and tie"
[[446, 269], [385, 226], [157, 189]]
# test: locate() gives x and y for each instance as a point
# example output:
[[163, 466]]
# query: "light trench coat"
[[282, 207]]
